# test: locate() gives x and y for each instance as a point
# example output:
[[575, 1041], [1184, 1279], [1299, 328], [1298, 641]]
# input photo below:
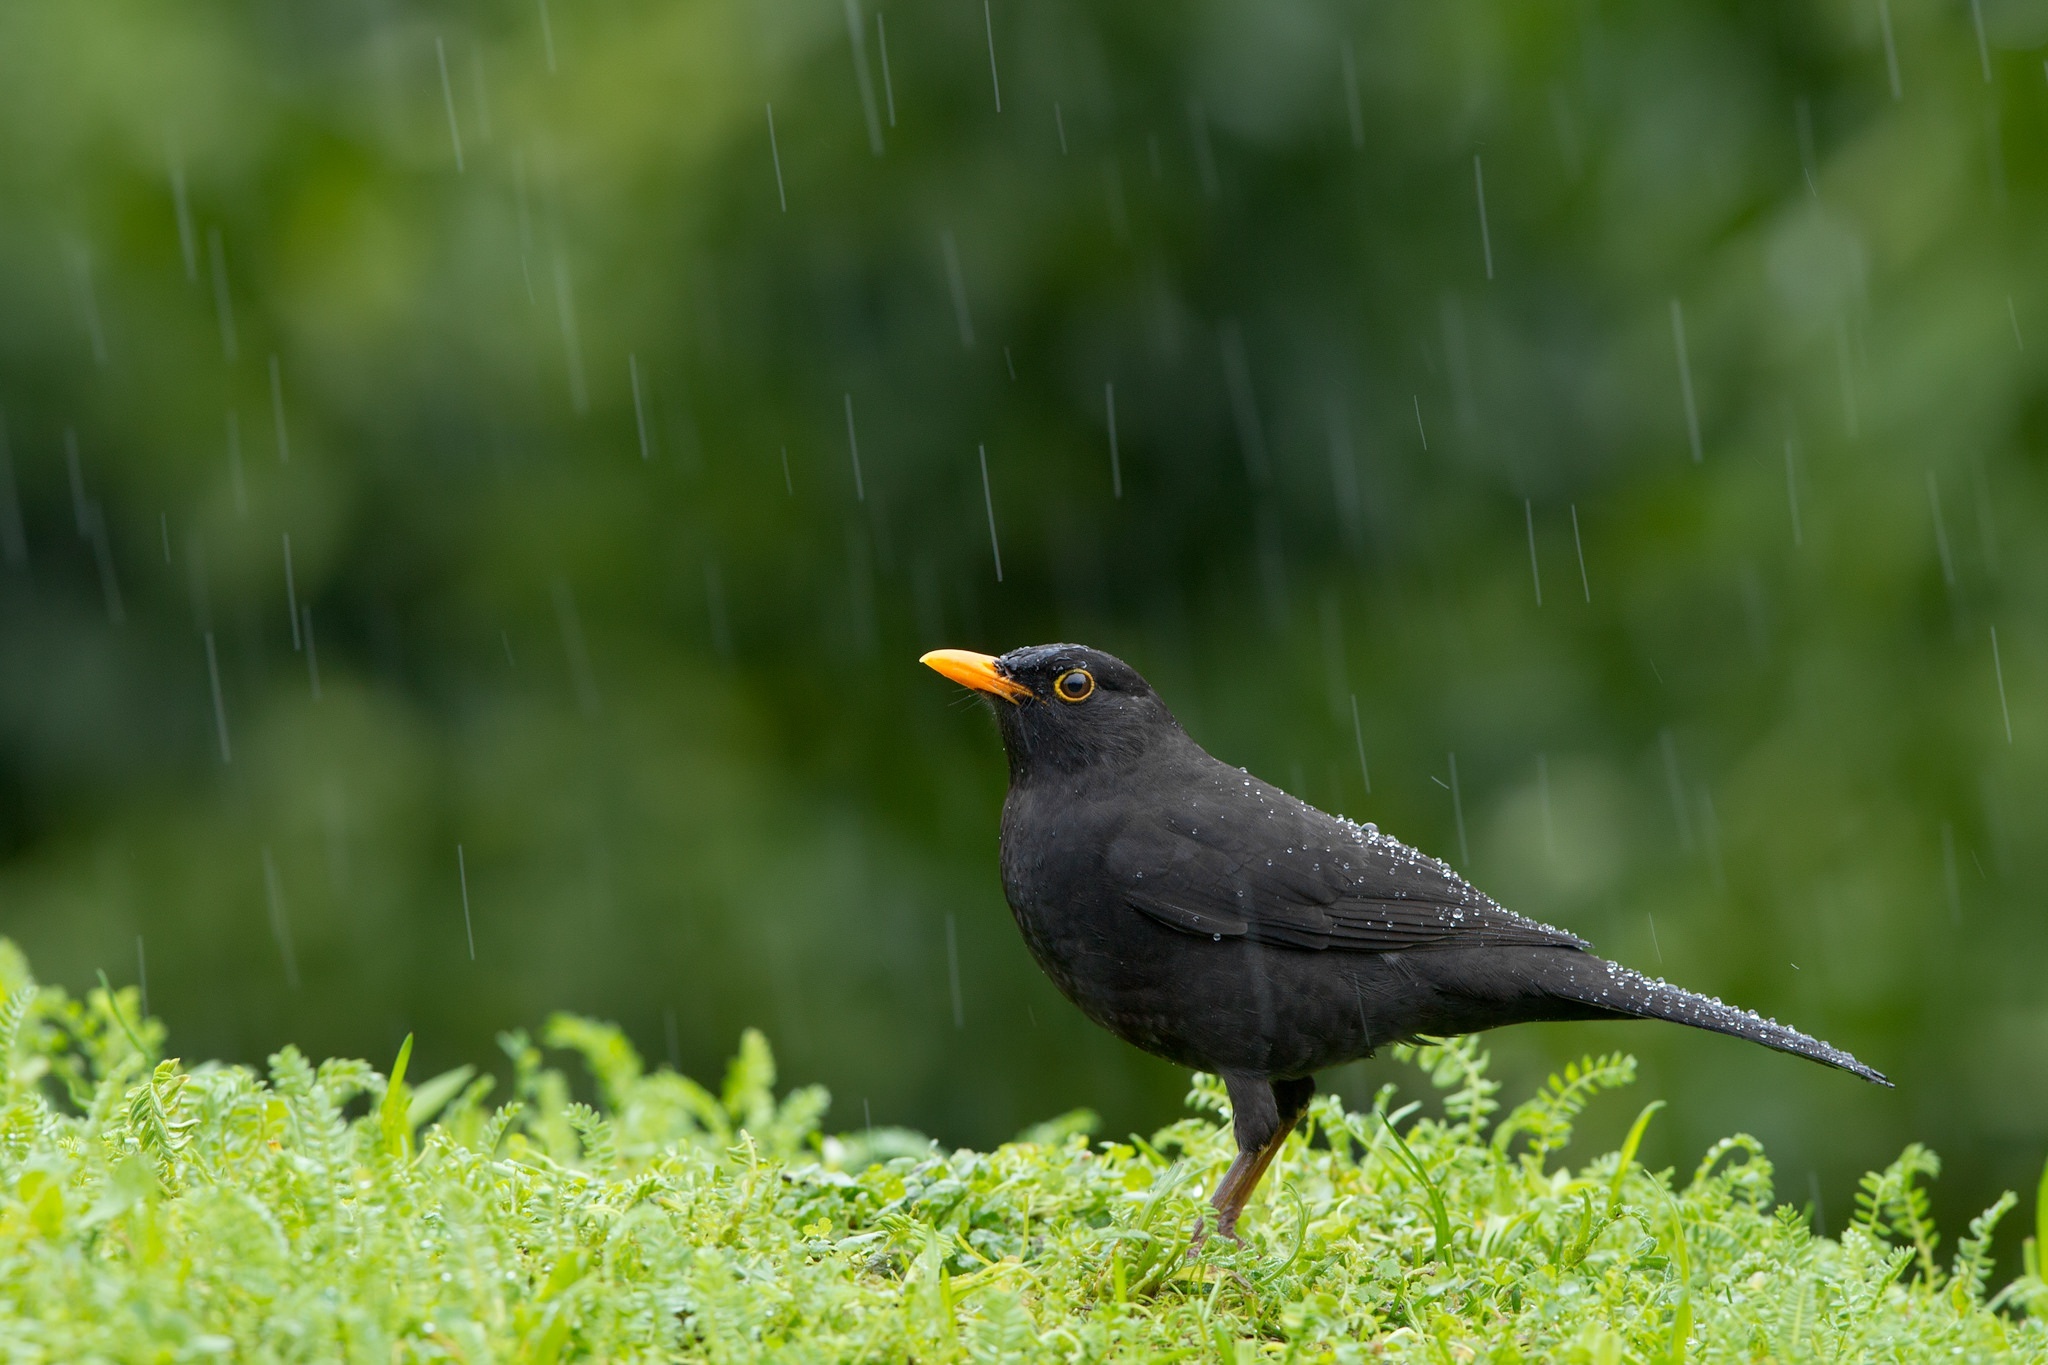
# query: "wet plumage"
[[1214, 920]]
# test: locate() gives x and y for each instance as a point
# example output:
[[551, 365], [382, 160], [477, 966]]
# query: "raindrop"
[[462, 875], [775, 155], [1998, 671], [1418, 422], [1458, 811], [882, 45], [1237, 380], [1983, 49], [853, 444], [860, 73], [787, 483], [956, 282], [1485, 236], [223, 302], [639, 410], [1358, 737], [572, 342], [2013, 313], [547, 36], [1802, 123], [1655, 946], [1948, 563], [573, 645], [88, 303], [505, 638], [1349, 61], [448, 100], [1060, 124], [1535, 571], [1585, 584], [989, 501], [1669, 745], [1792, 495], [995, 80], [1116, 468], [1692, 415], [220, 709], [1009, 364], [280, 929], [291, 593]]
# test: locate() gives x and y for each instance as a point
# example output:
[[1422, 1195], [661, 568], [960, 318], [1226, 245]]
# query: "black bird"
[[1218, 922]]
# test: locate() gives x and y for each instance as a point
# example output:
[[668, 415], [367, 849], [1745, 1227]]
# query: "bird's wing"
[[1260, 865]]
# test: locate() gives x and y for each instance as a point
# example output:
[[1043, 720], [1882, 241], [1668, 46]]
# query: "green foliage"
[[209, 1211]]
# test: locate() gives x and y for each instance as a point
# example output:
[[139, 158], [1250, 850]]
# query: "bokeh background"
[[504, 462]]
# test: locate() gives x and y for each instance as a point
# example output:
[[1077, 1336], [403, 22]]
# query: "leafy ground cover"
[[153, 1211]]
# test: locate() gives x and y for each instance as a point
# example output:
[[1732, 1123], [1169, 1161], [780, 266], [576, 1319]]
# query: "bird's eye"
[[1074, 685]]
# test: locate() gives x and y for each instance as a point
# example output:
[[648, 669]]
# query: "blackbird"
[[1216, 921]]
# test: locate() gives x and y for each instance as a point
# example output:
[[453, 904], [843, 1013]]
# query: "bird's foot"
[[1226, 1226]]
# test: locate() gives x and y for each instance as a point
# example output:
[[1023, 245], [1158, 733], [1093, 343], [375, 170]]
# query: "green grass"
[[150, 1211]]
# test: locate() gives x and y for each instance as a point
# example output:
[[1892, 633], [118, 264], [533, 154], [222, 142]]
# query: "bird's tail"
[[1613, 990]]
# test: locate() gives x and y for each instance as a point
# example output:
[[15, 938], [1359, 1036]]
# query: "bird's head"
[[1062, 707]]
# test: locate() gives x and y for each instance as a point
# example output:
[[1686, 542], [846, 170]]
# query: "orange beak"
[[977, 671]]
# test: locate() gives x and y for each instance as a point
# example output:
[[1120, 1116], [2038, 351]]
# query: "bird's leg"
[[1264, 1113]]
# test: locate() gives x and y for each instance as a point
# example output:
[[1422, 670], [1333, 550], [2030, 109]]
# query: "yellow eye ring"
[[1076, 684]]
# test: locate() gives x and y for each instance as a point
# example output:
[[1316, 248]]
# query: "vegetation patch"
[[153, 1211]]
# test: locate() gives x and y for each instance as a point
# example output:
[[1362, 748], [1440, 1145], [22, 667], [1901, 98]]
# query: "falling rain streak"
[[1792, 495], [220, 708], [854, 35], [1535, 570], [1585, 583], [775, 155], [882, 47], [1692, 413], [1244, 410], [639, 408], [1458, 814], [1354, 114], [1998, 672], [995, 79], [291, 594], [853, 445], [957, 283], [581, 674], [989, 501], [448, 100], [462, 876], [1485, 235], [1418, 422], [1358, 737], [1948, 562], [280, 927]]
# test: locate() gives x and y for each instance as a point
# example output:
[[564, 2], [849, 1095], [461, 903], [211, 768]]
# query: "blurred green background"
[[429, 477]]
